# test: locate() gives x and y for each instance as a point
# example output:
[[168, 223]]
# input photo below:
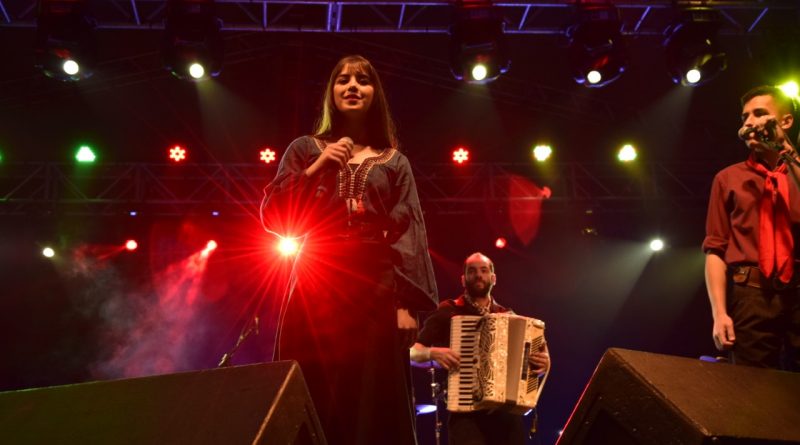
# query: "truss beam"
[[235, 189], [640, 17]]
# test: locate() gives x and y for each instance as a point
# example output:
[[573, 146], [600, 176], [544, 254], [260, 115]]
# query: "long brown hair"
[[381, 130]]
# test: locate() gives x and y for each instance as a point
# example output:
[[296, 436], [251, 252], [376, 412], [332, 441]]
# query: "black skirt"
[[341, 326]]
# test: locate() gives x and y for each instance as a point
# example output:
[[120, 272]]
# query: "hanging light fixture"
[[692, 53], [65, 46], [597, 52], [193, 48], [477, 46]]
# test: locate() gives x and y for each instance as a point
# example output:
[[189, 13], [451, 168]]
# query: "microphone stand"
[[252, 325], [287, 296], [246, 331], [436, 395], [789, 159], [767, 138]]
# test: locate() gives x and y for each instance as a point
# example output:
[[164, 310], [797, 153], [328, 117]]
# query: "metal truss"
[[640, 17], [235, 189]]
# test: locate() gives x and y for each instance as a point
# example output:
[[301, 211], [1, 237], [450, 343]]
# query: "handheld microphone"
[[766, 134], [322, 188]]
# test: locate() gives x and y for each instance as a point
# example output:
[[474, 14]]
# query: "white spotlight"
[[594, 77], [656, 245], [627, 153], [479, 72], [542, 152], [197, 71], [71, 67], [288, 246], [693, 76]]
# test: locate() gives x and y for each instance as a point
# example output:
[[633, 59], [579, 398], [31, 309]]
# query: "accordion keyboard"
[[460, 384]]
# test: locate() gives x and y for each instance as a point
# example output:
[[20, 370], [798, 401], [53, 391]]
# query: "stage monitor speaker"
[[254, 404], [640, 398]]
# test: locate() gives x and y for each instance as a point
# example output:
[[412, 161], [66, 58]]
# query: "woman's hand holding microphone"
[[334, 155]]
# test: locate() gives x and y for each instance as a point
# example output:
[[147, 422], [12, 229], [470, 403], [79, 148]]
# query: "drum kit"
[[437, 395]]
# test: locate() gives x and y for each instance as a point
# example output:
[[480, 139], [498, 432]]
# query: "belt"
[[753, 277]]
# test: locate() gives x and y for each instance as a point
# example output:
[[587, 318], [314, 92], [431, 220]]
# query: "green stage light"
[[85, 154]]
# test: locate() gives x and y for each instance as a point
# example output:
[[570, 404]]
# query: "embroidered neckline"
[[352, 183]]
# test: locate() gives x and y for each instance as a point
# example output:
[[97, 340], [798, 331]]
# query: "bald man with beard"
[[478, 427]]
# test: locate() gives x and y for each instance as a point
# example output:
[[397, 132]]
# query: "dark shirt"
[[732, 223], [387, 211], [477, 427], [436, 331]]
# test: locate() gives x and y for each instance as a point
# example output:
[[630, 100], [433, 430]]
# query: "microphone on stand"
[[766, 134], [745, 132]]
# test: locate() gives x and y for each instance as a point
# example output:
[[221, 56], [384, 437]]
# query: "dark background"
[[93, 313]]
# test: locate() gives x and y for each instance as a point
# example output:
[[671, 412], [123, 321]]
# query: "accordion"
[[494, 371]]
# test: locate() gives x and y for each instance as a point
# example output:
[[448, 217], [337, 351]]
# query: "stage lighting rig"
[[692, 53], [477, 46], [65, 46], [597, 52], [193, 48]]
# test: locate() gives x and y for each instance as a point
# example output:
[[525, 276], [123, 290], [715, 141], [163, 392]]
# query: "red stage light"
[[131, 245], [288, 246], [210, 247], [500, 243], [460, 155], [268, 155], [177, 153]]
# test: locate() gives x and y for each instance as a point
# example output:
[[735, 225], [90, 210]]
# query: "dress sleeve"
[[718, 226], [409, 241], [291, 200]]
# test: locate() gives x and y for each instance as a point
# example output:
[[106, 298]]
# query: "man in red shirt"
[[752, 238]]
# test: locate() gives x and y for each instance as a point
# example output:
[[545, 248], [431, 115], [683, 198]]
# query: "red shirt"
[[732, 222]]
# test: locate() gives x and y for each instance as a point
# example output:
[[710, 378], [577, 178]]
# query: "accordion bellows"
[[494, 371]]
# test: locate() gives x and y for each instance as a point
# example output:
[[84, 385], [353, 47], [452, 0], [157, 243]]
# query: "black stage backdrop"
[[96, 313]]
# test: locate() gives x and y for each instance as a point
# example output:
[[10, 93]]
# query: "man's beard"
[[475, 292]]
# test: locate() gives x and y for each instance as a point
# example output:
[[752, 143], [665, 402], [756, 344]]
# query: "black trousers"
[[767, 327]]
